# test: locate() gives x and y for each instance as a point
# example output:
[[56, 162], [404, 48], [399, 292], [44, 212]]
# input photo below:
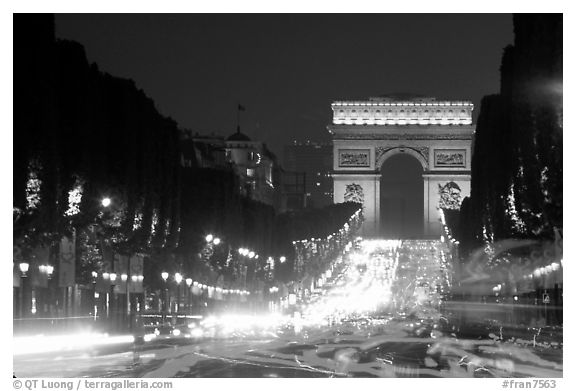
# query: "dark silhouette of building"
[[314, 160]]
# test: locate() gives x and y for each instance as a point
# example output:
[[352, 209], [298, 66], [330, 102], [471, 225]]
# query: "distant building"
[[256, 166], [203, 151], [314, 160], [404, 159], [293, 190]]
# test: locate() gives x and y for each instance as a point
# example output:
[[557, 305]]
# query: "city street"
[[383, 311]]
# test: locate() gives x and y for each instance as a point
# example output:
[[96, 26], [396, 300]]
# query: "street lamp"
[[125, 280], [178, 279], [282, 259], [24, 266], [94, 296], [106, 201], [189, 284], [111, 297], [164, 307], [216, 241], [209, 238]]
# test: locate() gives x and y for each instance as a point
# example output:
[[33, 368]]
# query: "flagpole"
[[238, 118]]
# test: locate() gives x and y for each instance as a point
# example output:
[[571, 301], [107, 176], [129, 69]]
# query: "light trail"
[[38, 344], [366, 287]]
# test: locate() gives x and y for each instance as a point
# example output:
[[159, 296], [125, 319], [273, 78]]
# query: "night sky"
[[287, 69]]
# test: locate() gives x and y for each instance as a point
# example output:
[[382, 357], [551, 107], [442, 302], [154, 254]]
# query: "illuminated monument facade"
[[403, 159]]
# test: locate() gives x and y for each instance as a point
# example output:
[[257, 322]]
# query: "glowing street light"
[[251, 254], [111, 298], [189, 283], [178, 279], [165, 301], [106, 201], [209, 238], [216, 241], [24, 266], [282, 259]]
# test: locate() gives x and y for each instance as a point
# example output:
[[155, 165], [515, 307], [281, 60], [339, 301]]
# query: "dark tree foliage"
[[211, 203], [517, 161], [312, 223], [74, 125]]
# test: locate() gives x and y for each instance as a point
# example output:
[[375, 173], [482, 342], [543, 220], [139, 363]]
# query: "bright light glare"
[[196, 332], [229, 324], [149, 337], [106, 202], [44, 344], [367, 287]]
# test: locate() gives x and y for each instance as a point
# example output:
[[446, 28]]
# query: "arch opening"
[[401, 197]]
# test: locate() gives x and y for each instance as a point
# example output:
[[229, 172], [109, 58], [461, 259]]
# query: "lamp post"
[[24, 266], [106, 277], [94, 277], [178, 279], [125, 280], [111, 297], [164, 307], [189, 284], [49, 272]]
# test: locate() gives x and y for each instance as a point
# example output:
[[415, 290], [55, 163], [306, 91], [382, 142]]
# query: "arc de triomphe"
[[437, 134]]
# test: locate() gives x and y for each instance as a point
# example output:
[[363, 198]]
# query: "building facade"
[[374, 143], [256, 166], [313, 160]]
